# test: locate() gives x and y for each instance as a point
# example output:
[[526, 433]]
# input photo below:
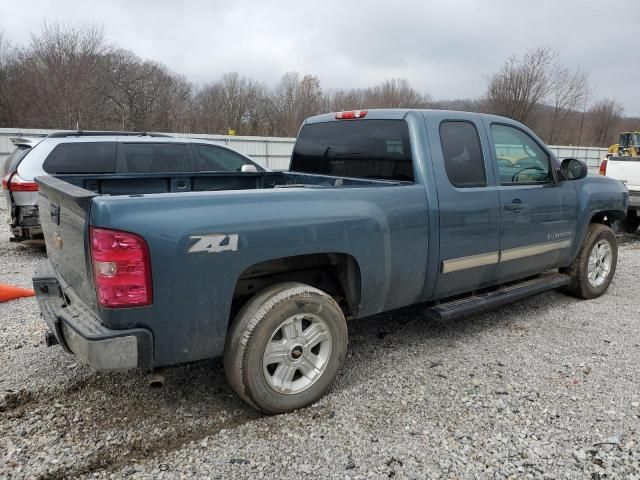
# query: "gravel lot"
[[546, 388]]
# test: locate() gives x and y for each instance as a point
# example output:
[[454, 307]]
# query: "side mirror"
[[248, 168], [573, 169]]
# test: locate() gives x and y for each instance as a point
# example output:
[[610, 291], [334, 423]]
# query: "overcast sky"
[[444, 48]]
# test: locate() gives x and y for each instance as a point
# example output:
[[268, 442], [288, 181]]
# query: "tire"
[[304, 332], [631, 223], [593, 254]]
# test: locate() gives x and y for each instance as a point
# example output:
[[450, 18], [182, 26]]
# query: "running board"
[[497, 298]]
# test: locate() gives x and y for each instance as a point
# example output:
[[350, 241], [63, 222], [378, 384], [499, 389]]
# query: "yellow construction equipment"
[[628, 145]]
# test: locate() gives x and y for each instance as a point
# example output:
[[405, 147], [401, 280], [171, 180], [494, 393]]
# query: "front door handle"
[[516, 205]]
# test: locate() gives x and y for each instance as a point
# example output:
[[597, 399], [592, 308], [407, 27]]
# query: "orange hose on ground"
[[8, 292]]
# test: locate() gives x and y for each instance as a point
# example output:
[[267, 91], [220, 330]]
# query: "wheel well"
[[607, 217], [337, 274]]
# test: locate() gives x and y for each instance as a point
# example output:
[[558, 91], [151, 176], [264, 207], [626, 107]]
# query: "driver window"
[[520, 158]]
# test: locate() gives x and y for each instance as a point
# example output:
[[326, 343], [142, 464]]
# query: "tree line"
[[70, 77]]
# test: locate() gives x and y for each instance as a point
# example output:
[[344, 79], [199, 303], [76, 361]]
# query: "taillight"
[[350, 115], [121, 268], [603, 167], [15, 183]]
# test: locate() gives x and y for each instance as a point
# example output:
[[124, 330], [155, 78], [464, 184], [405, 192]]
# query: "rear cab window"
[[376, 149], [81, 157]]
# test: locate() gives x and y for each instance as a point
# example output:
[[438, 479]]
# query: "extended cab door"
[[468, 202], [538, 211]]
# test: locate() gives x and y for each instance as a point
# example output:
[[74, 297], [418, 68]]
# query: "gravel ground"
[[545, 388]]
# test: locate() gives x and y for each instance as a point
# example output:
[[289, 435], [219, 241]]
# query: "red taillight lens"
[[603, 167], [121, 268], [15, 183], [351, 114]]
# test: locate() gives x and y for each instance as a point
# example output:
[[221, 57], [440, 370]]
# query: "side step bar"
[[497, 298]]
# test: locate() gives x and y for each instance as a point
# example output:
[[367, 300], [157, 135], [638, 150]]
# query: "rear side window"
[[462, 152], [155, 157], [208, 158], [378, 149], [82, 157]]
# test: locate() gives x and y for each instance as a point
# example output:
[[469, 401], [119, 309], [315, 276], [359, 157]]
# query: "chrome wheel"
[[297, 353], [600, 260]]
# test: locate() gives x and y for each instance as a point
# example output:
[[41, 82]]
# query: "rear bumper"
[[79, 330]]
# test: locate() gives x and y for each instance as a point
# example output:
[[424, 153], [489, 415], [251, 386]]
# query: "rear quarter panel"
[[384, 228]]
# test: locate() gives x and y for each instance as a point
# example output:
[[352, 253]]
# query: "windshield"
[[378, 149], [636, 139]]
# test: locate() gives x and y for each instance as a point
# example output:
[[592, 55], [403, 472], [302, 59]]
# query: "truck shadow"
[[195, 402]]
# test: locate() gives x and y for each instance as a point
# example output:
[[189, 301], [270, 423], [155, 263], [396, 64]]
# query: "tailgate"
[[625, 169], [64, 213]]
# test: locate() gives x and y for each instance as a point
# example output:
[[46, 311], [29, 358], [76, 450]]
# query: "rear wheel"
[[285, 347], [592, 270]]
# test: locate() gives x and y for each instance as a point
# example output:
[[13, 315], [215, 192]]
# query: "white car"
[[108, 153]]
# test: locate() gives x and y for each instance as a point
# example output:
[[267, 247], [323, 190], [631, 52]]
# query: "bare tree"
[[568, 91], [239, 94], [293, 99], [7, 59], [338, 100], [233, 102], [126, 91], [521, 84], [604, 116], [395, 93], [67, 72]]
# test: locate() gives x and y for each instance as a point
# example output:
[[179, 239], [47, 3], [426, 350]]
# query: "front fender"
[[598, 195]]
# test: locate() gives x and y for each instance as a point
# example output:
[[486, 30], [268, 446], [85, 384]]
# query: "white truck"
[[627, 170]]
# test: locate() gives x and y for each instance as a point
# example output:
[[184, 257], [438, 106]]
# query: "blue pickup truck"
[[380, 209]]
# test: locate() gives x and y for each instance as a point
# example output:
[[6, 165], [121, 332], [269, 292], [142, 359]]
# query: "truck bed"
[[207, 231], [625, 169]]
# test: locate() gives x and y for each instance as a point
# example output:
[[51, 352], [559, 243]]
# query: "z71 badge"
[[214, 243]]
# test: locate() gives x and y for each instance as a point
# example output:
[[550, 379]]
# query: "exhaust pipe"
[[156, 379]]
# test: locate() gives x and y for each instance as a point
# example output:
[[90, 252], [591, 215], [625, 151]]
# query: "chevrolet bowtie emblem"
[[57, 240]]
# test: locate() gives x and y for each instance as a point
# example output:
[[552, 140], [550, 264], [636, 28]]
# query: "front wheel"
[[285, 347], [592, 270]]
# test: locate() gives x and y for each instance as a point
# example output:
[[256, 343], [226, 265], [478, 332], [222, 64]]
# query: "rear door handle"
[[516, 205]]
